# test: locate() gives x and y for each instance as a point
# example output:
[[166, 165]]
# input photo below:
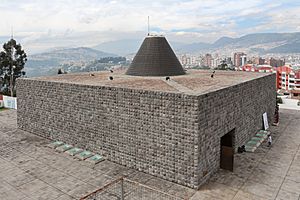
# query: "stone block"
[[95, 159], [84, 155], [74, 151], [64, 148], [55, 144]]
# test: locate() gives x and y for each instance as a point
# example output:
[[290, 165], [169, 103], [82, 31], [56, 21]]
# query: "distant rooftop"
[[194, 82]]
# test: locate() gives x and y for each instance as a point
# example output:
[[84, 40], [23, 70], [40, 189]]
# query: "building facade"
[[173, 127], [239, 59], [208, 60], [285, 78], [175, 136]]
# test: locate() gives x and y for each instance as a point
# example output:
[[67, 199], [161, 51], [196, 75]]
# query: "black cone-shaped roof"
[[155, 58]]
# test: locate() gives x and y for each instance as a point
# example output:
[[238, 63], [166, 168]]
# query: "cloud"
[[83, 22]]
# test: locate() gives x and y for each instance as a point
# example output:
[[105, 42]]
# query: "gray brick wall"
[[238, 107], [172, 136]]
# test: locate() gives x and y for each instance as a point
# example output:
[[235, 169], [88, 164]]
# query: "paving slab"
[[291, 186], [286, 195], [259, 189], [218, 190], [241, 195]]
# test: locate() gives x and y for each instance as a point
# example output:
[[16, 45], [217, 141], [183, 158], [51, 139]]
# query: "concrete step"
[[74, 151], [55, 144], [253, 143], [256, 141], [64, 148], [263, 136], [260, 139], [250, 148]]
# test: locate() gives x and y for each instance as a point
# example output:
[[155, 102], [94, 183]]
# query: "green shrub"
[[279, 100]]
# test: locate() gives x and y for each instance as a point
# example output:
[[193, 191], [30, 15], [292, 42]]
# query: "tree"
[[223, 65], [12, 61]]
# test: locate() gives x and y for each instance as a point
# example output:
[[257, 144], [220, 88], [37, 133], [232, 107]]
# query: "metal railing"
[[125, 189]]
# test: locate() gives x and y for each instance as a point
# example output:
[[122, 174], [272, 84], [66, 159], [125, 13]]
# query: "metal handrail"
[[102, 188], [122, 179]]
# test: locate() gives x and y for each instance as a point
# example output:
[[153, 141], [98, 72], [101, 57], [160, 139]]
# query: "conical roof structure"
[[155, 58]]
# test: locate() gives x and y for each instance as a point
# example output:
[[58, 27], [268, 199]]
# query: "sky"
[[40, 25]]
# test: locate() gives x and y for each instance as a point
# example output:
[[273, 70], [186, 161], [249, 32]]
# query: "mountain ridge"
[[261, 43]]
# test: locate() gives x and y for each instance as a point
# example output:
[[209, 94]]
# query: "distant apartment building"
[[289, 80], [258, 60], [216, 62], [285, 78], [189, 61], [240, 59], [275, 62], [208, 60], [184, 59], [295, 92]]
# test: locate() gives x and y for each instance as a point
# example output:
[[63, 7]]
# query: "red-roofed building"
[[285, 78], [258, 68], [265, 68], [248, 68]]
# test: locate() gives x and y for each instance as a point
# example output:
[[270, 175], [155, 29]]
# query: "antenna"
[[148, 26], [12, 32]]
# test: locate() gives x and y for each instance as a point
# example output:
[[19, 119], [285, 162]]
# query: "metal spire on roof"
[[148, 26], [12, 32]]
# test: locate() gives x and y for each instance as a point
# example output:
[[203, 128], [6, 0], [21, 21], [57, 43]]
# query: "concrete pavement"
[[30, 170]]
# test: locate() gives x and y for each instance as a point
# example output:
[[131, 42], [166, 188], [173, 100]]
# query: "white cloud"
[[83, 22]]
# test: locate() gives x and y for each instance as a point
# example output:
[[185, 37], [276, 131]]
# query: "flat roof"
[[194, 82]]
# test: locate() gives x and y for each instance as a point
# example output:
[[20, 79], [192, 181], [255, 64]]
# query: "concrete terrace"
[[30, 170], [195, 82]]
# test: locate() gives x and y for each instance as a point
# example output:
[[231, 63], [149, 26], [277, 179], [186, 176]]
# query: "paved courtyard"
[[30, 170]]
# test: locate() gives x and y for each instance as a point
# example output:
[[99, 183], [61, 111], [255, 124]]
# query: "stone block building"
[[173, 128]]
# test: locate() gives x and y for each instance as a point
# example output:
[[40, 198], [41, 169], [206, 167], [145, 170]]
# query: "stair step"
[[250, 148], [55, 144], [260, 139], [253, 143]]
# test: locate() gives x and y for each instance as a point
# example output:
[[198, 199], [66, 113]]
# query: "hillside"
[[262, 42], [130, 46], [47, 63]]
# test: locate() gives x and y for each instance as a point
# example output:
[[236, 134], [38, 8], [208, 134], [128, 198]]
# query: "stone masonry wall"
[[239, 107], [172, 136], [150, 131]]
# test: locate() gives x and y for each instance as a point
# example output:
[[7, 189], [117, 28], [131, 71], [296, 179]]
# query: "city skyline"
[[41, 25]]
